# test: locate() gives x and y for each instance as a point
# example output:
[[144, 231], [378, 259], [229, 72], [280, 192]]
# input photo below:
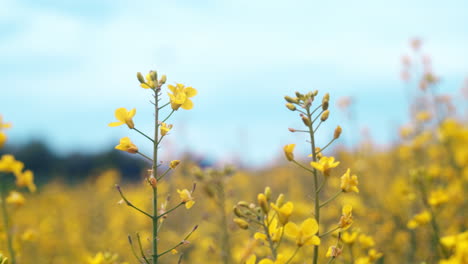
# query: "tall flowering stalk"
[[179, 97], [10, 194], [321, 166]]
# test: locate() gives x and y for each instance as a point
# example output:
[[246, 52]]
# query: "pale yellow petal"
[[190, 92], [121, 114], [309, 227], [115, 124], [291, 229], [132, 113], [187, 105]]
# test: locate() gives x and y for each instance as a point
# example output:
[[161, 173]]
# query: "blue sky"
[[65, 66]]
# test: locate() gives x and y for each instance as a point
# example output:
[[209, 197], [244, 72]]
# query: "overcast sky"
[[66, 65]]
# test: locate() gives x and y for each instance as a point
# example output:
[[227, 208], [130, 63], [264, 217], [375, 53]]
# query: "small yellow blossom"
[[349, 238], [26, 179], [284, 212], [374, 254], [174, 251], [419, 220], [346, 219], [333, 252], [3, 139], [4, 125], [9, 164], [165, 128], [273, 230], [15, 198], [186, 198], [304, 234], [288, 151], [173, 164], [150, 82], [124, 117], [366, 241], [438, 197], [349, 183], [325, 164], [180, 96], [127, 145]]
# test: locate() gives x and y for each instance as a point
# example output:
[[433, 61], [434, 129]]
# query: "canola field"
[[402, 204]]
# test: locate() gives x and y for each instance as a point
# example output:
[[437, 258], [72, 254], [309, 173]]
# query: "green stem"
[[144, 156], [293, 255], [155, 172], [141, 249], [166, 104], [167, 212], [329, 143], [130, 204], [6, 224], [152, 140], [165, 119], [272, 247], [133, 248], [302, 166], [164, 174], [180, 243], [331, 198], [317, 197], [329, 231]]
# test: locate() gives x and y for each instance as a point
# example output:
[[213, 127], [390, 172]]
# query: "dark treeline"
[[74, 167]]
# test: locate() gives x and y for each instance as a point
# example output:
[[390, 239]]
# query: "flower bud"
[[154, 76], [326, 98], [262, 201], [241, 223], [292, 130], [306, 120], [289, 99], [163, 79], [315, 93], [237, 211], [268, 193], [291, 107], [337, 132], [140, 77], [325, 105], [280, 200], [243, 204], [299, 95], [325, 115], [174, 164]]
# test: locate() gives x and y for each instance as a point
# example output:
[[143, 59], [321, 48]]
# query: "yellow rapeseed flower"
[[288, 151], [366, 241], [419, 220], [284, 212], [150, 82], [304, 234], [349, 238], [186, 198], [3, 139], [173, 164], [281, 259], [15, 198], [325, 164], [346, 219], [26, 179], [165, 128], [127, 145], [124, 117], [438, 197], [180, 96], [273, 230], [349, 183], [9, 164]]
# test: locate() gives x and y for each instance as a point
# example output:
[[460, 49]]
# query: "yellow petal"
[[266, 261], [309, 227], [172, 88], [121, 114], [115, 124], [260, 236], [145, 86], [315, 240], [190, 92], [132, 113], [187, 105], [291, 229]]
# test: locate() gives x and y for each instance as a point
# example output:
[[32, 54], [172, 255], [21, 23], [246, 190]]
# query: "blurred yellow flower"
[[165, 128], [333, 252], [9, 164], [180, 96], [26, 179], [15, 198], [349, 237], [186, 198], [126, 145], [325, 164], [124, 117], [4, 125], [346, 219], [284, 212], [349, 183], [281, 259], [366, 241], [273, 230], [3, 139], [374, 254], [438, 197], [288, 151], [419, 219], [304, 234], [173, 164]]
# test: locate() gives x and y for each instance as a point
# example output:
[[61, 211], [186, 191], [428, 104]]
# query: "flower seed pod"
[[241, 223], [291, 107], [325, 115], [140, 77], [337, 132]]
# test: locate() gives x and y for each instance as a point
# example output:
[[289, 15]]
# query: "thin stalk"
[[143, 134], [302, 166], [272, 247], [316, 193], [329, 143], [133, 248], [164, 174], [329, 231], [6, 224], [164, 105], [226, 253], [144, 156], [167, 212], [141, 249], [331, 198], [165, 119], [155, 172], [180, 243], [130, 204], [293, 255]]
